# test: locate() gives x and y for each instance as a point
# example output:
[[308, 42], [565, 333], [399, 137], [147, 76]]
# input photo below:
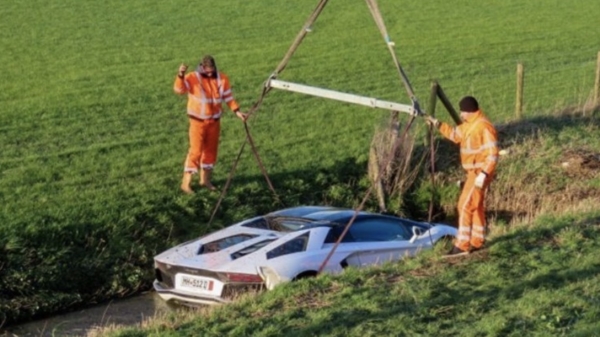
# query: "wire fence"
[[531, 90], [566, 87]]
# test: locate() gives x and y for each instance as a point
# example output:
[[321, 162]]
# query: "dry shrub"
[[393, 173]]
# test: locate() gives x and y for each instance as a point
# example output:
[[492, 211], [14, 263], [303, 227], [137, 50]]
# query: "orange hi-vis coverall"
[[204, 108], [478, 142]]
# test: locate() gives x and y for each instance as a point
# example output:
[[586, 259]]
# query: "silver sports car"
[[286, 245]]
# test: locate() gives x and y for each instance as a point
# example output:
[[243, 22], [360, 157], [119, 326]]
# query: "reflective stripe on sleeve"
[[482, 148]]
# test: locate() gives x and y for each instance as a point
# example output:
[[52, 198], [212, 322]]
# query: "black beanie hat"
[[468, 104]]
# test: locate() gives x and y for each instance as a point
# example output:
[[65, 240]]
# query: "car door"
[[346, 253], [382, 239]]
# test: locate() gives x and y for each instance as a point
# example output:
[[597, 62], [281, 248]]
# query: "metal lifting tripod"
[[413, 109]]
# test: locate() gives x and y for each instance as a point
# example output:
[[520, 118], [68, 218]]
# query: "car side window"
[[379, 229], [224, 243], [334, 234], [293, 246], [251, 249]]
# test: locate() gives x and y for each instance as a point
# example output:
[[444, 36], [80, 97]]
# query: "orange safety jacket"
[[206, 94], [478, 142]]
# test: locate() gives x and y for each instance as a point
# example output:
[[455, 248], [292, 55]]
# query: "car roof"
[[331, 214], [302, 211], [318, 213]]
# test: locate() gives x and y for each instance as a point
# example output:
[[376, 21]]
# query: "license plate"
[[195, 283]]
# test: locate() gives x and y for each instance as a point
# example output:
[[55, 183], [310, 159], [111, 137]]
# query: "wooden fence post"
[[519, 104], [597, 83]]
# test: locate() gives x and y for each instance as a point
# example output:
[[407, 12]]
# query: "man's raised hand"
[[182, 70]]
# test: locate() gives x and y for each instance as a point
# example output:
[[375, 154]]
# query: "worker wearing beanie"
[[207, 89], [478, 142]]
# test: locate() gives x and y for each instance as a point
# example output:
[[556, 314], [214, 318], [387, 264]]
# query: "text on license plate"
[[197, 283]]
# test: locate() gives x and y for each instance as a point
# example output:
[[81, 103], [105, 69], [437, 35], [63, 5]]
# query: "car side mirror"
[[416, 231]]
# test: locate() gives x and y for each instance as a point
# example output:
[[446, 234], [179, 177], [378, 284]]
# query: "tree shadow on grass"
[[335, 185]]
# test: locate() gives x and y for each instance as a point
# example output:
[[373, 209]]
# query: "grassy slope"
[[538, 280], [92, 138]]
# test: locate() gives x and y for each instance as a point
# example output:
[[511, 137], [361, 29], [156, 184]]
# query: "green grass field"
[[92, 137]]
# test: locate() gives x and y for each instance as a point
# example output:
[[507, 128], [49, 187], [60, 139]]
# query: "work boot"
[[205, 179], [185, 183], [455, 251]]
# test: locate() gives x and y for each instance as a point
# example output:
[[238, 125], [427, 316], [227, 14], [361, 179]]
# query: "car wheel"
[[306, 274]]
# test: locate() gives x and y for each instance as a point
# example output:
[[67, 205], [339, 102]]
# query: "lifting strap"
[[305, 29], [374, 8]]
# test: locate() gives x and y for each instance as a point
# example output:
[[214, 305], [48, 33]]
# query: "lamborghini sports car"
[[286, 245]]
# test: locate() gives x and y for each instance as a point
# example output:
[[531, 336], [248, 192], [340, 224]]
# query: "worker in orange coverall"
[[207, 89], [478, 142]]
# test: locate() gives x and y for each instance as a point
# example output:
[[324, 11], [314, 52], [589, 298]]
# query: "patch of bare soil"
[[581, 163]]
